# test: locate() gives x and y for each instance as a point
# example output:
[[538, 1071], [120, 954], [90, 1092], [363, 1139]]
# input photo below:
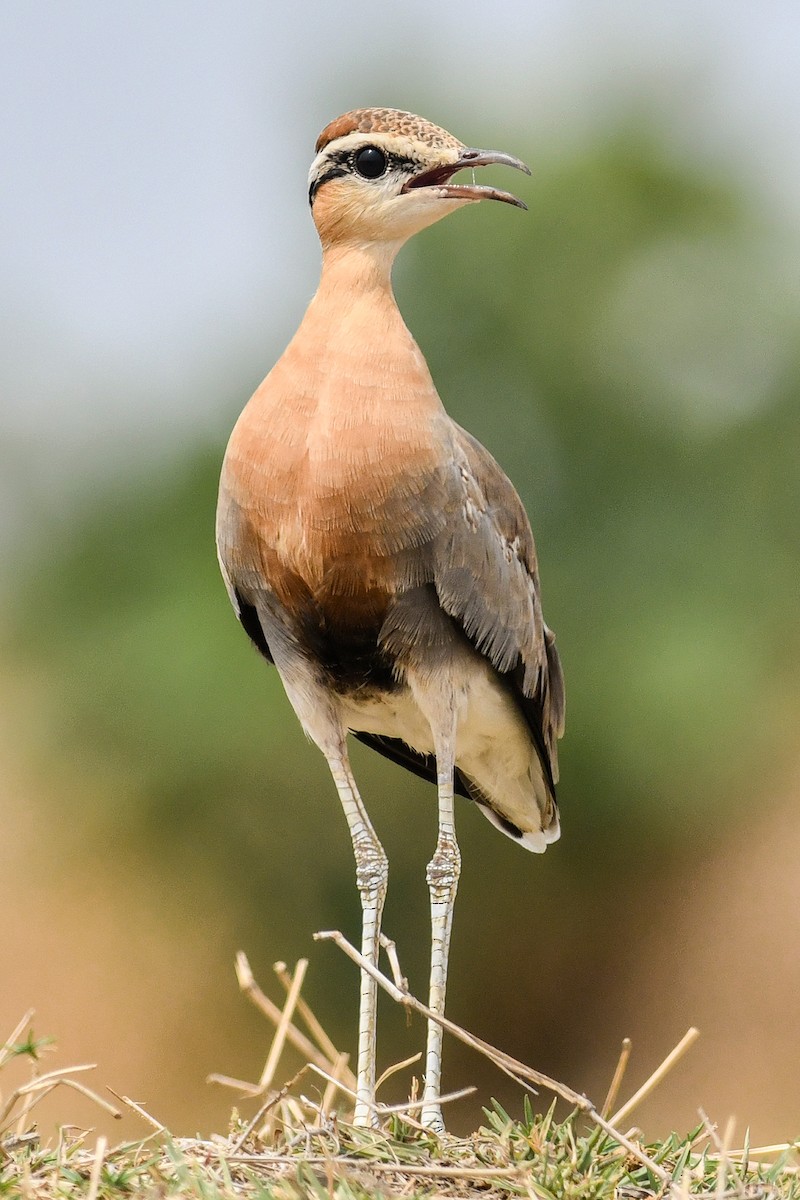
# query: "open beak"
[[439, 177]]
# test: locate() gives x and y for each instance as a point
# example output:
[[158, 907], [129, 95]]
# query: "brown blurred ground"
[[725, 950]]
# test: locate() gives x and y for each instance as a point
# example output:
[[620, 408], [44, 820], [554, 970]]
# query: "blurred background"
[[628, 350]]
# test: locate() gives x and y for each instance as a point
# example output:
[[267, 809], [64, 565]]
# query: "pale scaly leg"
[[443, 872], [321, 720], [372, 871]]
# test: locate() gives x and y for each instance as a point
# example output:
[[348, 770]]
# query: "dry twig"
[[312, 1024], [9, 1047], [296, 1038], [276, 1049], [139, 1110], [506, 1062], [616, 1078], [36, 1090], [677, 1053], [266, 1107], [97, 1166]]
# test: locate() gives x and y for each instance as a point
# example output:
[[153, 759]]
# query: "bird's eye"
[[370, 162]]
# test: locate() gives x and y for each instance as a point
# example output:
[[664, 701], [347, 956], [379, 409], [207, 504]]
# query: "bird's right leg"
[[372, 872], [320, 719]]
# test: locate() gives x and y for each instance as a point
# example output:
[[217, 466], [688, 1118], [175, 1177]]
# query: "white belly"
[[494, 747]]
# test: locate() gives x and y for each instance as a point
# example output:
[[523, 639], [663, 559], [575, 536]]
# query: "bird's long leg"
[[443, 872], [372, 870], [322, 722]]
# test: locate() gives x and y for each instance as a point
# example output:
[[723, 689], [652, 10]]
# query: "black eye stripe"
[[342, 162], [332, 172]]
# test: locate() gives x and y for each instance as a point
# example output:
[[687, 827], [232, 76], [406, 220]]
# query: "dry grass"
[[299, 1144]]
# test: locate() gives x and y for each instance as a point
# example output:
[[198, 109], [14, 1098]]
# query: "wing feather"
[[487, 579], [422, 765]]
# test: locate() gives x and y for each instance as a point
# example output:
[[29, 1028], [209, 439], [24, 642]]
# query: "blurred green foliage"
[[627, 352]]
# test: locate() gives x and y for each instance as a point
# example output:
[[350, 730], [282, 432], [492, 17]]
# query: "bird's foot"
[[365, 1116], [431, 1117]]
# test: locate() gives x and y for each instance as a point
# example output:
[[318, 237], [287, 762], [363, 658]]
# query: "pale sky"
[[152, 194]]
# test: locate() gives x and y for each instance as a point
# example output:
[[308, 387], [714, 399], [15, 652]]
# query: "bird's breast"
[[339, 471], [332, 493]]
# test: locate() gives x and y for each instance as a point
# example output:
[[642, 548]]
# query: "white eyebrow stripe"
[[395, 146]]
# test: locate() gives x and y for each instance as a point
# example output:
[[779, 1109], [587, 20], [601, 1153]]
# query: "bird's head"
[[380, 175]]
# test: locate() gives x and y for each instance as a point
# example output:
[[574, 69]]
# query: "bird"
[[379, 557]]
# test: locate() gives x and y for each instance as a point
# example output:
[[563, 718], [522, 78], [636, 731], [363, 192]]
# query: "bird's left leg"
[[443, 872]]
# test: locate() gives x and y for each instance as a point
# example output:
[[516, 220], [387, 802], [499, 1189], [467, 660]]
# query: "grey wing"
[[487, 579]]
